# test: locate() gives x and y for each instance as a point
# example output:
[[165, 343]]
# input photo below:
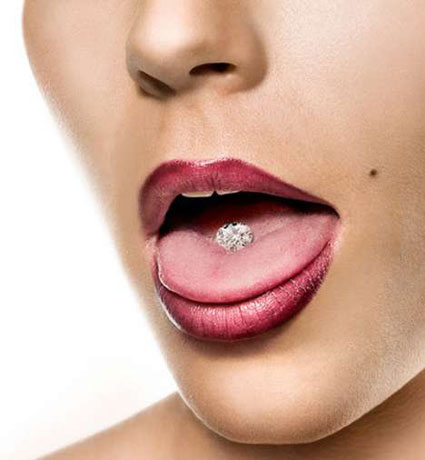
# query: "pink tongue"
[[286, 240]]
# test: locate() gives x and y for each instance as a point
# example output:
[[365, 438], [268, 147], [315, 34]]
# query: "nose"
[[175, 46]]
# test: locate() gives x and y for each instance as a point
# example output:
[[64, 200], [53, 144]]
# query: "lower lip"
[[249, 318]]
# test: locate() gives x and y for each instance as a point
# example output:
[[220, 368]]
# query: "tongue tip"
[[231, 278], [199, 295]]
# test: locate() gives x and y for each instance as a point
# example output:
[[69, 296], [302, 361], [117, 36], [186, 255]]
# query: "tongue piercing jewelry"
[[234, 236]]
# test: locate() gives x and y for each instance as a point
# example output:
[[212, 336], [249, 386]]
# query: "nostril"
[[152, 86], [217, 67]]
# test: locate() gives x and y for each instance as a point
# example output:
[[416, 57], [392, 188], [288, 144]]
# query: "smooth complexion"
[[327, 95]]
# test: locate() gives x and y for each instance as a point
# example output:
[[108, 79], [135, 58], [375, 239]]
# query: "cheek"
[[77, 52]]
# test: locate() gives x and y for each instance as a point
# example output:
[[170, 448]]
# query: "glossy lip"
[[252, 316]]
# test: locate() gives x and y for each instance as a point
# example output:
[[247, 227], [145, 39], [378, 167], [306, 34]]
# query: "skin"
[[329, 97]]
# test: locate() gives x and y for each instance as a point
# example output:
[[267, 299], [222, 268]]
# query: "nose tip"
[[175, 47]]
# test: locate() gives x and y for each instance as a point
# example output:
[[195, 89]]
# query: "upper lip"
[[175, 177]]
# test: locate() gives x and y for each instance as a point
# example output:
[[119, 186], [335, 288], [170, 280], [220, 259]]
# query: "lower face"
[[337, 111]]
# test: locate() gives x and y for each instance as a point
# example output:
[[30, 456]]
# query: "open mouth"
[[213, 290]]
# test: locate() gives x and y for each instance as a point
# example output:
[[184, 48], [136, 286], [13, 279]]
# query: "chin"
[[281, 416], [298, 397]]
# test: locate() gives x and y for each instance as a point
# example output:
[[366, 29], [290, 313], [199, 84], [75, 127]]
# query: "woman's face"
[[325, 95]]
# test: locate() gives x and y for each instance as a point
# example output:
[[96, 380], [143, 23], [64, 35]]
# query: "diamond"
[[234, 236]]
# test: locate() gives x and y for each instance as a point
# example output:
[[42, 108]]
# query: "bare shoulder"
[[143, 435]]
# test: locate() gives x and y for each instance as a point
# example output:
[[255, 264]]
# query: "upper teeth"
[[207, 193], [226, 192], [198, 194]]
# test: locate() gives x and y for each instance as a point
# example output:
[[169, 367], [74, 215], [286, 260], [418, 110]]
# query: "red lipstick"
[[211, 293]]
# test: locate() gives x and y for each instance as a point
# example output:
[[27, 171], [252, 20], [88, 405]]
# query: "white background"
[[76, 352]]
